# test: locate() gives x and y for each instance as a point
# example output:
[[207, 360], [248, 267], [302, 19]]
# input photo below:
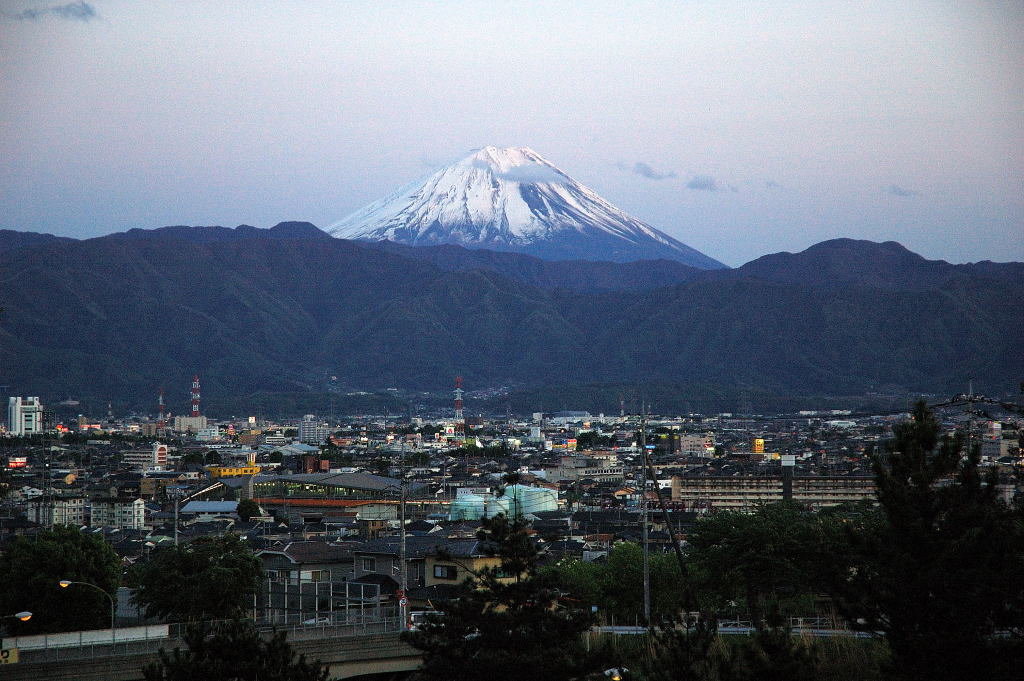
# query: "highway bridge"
[[348, 651]]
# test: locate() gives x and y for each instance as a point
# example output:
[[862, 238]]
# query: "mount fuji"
[[514, 200]]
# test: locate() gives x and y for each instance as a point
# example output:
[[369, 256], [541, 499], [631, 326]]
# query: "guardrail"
[[818, 625], [77, 639], [148, 640]]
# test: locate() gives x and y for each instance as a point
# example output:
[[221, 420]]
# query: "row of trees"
[[210, 578], [736, 563]]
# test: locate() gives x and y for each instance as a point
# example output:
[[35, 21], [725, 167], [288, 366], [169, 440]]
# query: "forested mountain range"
[[291, 309]]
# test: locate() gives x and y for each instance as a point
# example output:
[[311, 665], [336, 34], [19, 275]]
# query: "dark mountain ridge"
[[282, 230], [11, 240], [121, 316], [577, 275], [846, 262]]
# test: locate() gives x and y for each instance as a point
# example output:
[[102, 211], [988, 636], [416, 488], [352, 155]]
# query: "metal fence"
[[131, 641]]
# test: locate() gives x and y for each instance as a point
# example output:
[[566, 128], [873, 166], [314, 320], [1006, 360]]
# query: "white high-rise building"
[[311, 431], [24, 416]]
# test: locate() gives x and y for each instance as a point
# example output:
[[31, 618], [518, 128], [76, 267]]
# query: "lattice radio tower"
[[460, 421], [195, 396]]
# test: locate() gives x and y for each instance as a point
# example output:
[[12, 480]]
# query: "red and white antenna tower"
[[195, 396], [460, 423]]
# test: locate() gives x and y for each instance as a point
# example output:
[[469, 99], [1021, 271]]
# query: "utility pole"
[[175, 491], [403, 599], [643, 516]]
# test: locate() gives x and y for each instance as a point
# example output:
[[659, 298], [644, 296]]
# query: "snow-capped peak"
[[512, 199]]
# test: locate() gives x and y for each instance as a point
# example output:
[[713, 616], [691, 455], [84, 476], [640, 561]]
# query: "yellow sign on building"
[[759, 445], [9, 656]]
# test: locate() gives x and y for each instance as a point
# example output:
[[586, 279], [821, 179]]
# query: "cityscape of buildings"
[[330, 495]]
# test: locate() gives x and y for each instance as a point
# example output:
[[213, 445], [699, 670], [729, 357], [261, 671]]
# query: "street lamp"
[[65, 583], [24, 616]]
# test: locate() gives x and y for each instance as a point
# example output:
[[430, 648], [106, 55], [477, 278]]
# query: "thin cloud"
[[645, 170], [704, 183], [772, 184], [896, 190], [74, 11]]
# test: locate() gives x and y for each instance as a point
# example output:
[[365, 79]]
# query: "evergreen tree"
[[756, 559], [616, 585], [683, 653], [210, 578], [507, 623], [247, 508], [772, 653], [232, 651], [30, 570], [940, 570]]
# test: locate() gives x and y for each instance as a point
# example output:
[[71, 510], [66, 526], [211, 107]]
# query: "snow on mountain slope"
[[513, 200]]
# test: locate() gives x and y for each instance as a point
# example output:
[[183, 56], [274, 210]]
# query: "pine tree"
[[940, 570], [232, 651], [682, 653], [507, 623]]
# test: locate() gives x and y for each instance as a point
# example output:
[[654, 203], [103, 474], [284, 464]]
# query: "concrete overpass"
[[347, 652]]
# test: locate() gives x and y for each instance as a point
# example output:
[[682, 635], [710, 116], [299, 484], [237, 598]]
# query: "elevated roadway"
[[347, 652]]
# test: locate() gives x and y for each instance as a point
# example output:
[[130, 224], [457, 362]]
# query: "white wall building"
[[311, 431], [154, 459], [697, 445], [189, 424], [119, 512], [208, 434], [24, 416], [50, 511]]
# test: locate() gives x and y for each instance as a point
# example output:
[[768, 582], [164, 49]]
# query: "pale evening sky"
[[740, 128]]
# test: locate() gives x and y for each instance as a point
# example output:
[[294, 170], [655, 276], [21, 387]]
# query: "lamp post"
[[24, 616], [65, 583]]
